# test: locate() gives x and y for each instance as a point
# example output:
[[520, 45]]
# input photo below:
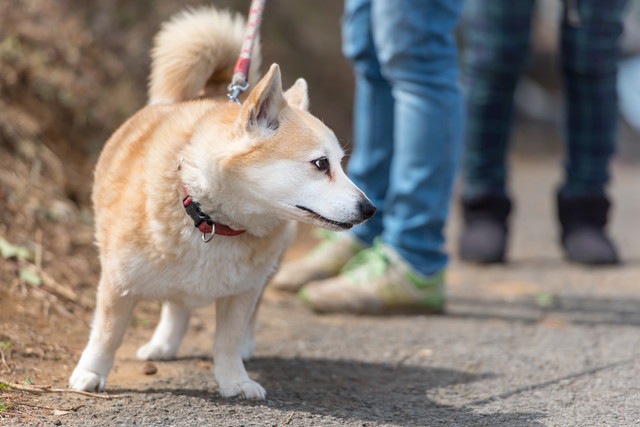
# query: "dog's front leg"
[[232, 319], [111, 318]]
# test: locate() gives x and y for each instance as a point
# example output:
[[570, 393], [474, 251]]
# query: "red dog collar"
[[203, 222]]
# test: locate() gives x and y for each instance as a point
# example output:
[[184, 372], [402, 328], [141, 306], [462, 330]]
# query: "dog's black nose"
[[367, 209]]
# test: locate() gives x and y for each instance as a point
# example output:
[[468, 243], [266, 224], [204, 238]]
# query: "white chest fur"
[[195, 273]]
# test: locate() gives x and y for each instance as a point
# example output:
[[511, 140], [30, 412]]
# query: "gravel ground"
[[539, 342]]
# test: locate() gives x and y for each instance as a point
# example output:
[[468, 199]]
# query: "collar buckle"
[[204, 223]]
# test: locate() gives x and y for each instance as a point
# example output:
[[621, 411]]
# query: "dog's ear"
[[261, 110], [298, 95]]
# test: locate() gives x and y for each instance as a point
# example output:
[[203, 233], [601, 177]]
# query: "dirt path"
[[539, 342]]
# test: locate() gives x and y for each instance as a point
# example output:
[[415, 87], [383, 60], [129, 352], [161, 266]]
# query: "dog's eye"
[[322, 164]]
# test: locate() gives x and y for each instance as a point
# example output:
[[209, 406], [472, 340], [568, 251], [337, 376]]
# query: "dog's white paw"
[[85, 380], [248, 389], [154, 351]]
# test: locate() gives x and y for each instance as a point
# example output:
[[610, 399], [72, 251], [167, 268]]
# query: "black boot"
[[582, 222], [484, 234]]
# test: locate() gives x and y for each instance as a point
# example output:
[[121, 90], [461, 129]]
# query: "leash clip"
[[235, 90]]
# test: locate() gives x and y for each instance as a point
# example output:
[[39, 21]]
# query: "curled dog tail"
[[194, 54]]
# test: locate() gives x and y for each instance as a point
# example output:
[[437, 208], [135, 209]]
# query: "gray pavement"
[[538, 342]]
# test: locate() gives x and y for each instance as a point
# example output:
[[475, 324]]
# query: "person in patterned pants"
[[497, 41]]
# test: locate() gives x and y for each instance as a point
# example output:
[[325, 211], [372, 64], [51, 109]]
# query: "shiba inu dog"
[[242, 174]]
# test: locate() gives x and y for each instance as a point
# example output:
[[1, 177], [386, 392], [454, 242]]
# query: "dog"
[[196, 199]]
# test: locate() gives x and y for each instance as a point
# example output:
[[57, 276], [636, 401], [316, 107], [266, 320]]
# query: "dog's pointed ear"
[[261, 109], [298, 95]]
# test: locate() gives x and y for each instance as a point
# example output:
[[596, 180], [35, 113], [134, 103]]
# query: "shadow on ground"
[[577, 310], [357, 391]]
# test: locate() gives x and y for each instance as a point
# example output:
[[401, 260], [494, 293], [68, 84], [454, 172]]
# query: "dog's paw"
[[248, 389], [154, 351], [85, 380]]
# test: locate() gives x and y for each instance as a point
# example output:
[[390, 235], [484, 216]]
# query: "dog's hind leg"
[[233, 314], [248, 344], [112, 315], [174, 321]]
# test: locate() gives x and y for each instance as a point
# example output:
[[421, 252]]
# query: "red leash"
[[240, 80]]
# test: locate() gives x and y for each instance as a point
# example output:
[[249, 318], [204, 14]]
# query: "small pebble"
[[149, 368]]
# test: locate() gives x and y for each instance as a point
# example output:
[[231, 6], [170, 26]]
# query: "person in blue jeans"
[[497, 44], [408, 118]]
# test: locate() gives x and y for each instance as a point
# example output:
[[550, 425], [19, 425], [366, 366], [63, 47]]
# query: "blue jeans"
[[407, 121]]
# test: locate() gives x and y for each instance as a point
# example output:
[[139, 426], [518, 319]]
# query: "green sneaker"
[[377, 281], [324, 261]]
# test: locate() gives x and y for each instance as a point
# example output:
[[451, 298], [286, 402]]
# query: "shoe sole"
[[375, 311]]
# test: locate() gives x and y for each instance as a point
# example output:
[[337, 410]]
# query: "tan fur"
[[214, 39], [250, 167]]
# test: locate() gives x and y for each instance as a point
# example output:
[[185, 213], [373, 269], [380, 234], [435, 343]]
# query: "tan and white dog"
[[252, 168]]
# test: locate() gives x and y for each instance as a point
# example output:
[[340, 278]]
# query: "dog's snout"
[[367, 208]]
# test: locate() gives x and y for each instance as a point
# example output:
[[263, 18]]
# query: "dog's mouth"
[[315, 215]]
